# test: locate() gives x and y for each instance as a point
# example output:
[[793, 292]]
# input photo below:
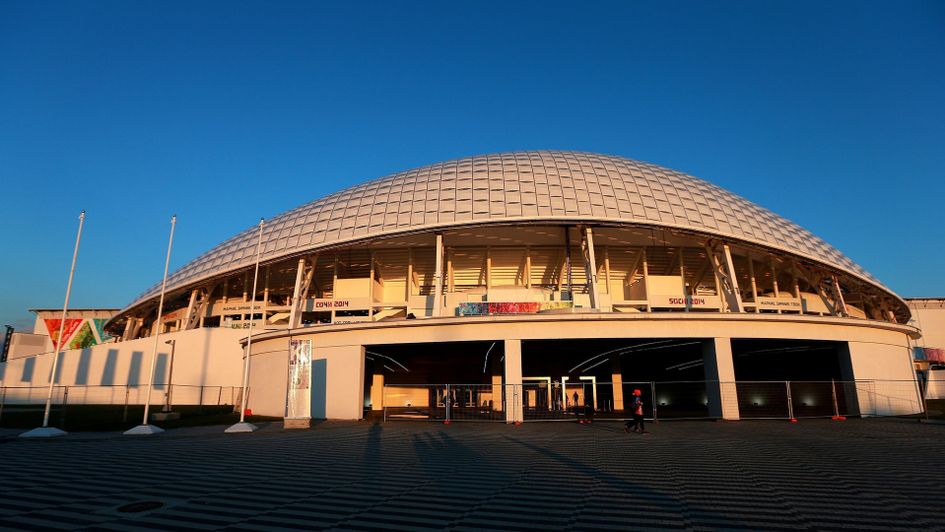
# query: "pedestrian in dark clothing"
[[636, 408]]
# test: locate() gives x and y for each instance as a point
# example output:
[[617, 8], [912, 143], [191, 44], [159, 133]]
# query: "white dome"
[[511, 187]]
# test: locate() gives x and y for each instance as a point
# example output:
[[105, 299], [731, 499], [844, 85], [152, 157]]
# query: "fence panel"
[[476, 402], [681, 400], [416, 402], [763, 399], [811, 399]]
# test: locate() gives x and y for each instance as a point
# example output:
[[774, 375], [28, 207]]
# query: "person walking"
[[636, 408]]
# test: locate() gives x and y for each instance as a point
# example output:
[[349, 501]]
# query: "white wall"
[[893, 390], [268, 379], [337, 381], [936, 384], [99, 374]]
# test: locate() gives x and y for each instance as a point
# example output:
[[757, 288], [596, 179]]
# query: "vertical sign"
[[7, 338], [299, 396]]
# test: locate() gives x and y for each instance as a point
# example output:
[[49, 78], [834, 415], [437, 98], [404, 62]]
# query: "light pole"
[[170, 377]]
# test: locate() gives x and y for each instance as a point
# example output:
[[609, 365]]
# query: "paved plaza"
[[857, 474]]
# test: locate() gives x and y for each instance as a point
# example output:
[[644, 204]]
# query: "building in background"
[[928, 315], [531, 285], [84, 328]]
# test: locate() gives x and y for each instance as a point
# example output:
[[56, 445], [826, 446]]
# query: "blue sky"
[[829, 113]]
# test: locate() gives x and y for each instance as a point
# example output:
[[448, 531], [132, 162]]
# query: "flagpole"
[[144, 428], [243, 426], [45, 430]]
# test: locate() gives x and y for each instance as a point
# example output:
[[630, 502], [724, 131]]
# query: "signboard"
[[780, 303], [299, 395], [708, 302], [327, 305]]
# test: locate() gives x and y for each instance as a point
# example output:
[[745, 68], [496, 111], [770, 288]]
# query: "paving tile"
[[816, 475]]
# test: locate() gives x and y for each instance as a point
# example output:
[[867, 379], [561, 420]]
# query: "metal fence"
[[445, 402], [101, 405], [548, 400]]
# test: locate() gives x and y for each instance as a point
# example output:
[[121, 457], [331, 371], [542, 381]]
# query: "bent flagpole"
[[59, 340]]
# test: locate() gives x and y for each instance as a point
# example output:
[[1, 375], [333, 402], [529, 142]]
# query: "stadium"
[[527, 286]]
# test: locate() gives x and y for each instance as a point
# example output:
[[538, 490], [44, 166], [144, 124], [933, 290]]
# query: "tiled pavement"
[[856, 474]]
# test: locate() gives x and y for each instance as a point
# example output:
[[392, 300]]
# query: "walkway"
[[861, 474]]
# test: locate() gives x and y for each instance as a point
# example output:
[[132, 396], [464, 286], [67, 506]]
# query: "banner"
[[299, 396], [477, 308], [52, 325], [84, 338]]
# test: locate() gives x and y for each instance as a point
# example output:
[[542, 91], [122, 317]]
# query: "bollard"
[[449, 403], [836, 408], [124, 417], [790, 402], [653, 400], [65, 403]]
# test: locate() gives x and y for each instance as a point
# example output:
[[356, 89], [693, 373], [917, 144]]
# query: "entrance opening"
[[799, 378], [419, 381], [573, 378]]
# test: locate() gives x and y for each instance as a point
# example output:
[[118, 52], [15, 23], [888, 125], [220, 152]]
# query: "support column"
[[129, 327], [295, 313], [590, 267], [497, 393], [736, 305], [616, 378], [720, 378], [189, 318], [513, 380], [377, 392], [438, 278]]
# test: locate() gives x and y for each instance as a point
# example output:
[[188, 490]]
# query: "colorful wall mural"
[[79, 333], [485, 309]]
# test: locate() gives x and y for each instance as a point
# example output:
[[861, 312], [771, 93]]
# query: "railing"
[[107, 405], [548, 400]]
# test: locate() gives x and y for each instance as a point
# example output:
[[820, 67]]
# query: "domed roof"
[[509, 187]]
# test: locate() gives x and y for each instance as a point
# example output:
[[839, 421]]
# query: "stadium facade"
[[533, 283]]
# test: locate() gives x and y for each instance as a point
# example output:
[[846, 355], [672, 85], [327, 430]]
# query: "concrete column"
[[720, 378], [590, 268], [736, 303], [295, 313], [617, 380], [438, 278], [513, 380], [377, 392], [188, 318], [497, 393], [129, 327]]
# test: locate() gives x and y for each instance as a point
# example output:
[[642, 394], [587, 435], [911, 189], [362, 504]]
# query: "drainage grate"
[[140, 506]]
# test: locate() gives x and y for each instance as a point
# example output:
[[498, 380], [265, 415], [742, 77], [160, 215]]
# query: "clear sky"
[[831, 114]]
